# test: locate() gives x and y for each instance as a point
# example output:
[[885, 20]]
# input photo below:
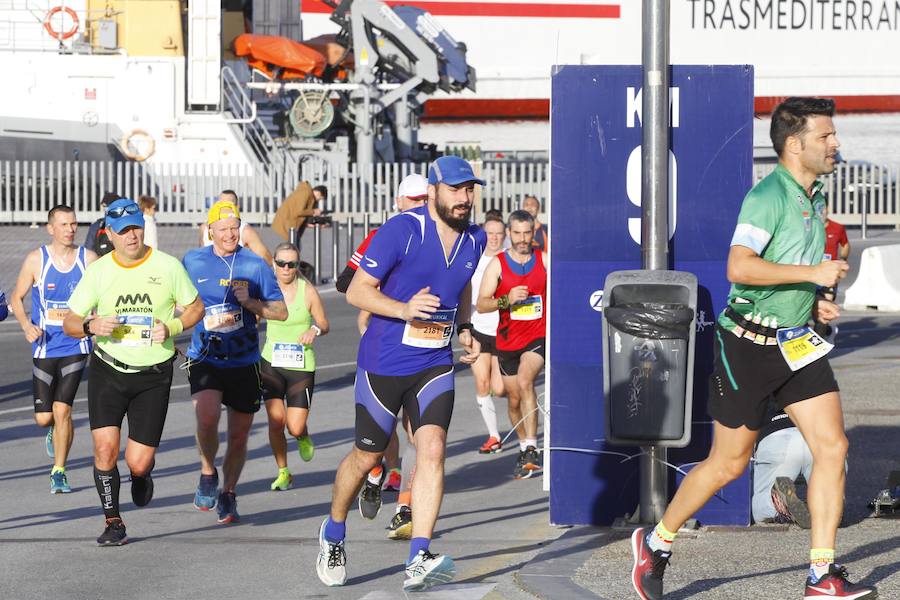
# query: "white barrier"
[[878, 283]]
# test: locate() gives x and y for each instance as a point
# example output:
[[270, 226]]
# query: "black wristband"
[[464, 327], [86, 328]]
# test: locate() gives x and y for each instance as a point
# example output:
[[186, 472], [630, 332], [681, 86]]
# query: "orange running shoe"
[[491, 446]]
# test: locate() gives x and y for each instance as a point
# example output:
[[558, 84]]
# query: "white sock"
[[523, 445], [531, 442], [489, 414]]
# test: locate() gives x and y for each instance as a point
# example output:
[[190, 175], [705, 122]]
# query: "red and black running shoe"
[[649, 567], [836, 585]]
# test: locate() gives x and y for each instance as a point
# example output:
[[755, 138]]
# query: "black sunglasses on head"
[[290, 264], [128, 209]]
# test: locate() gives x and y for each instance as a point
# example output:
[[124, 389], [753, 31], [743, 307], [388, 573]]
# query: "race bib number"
[[801, 346], [529, 309], [56, 312], [223, 318], [289, 356], [134, 330], [433, 333]]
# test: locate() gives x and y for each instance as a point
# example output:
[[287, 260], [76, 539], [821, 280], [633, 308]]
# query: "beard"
[[445, 212]]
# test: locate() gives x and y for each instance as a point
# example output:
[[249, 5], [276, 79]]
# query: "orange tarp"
[[265, 52]]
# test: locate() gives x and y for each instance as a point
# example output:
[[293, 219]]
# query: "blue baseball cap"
[[451, 170], [123, 213]]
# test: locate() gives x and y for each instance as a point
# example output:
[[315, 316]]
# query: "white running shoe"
[[427, 570], [331, 564]]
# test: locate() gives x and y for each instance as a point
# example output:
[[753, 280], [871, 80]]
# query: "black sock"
[[108, 483]]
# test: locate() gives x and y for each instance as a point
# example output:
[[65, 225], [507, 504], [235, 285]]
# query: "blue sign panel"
[[595, 217]]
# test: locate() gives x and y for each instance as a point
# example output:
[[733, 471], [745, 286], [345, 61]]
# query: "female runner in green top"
[[288, 364]]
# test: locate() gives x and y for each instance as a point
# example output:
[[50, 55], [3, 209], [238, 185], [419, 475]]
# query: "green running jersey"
[[290, 330], [138, 295], [782, 225]]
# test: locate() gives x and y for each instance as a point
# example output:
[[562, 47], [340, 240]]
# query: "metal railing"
[[864, 195]]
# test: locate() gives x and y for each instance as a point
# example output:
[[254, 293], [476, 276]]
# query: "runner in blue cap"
[[415, 280]]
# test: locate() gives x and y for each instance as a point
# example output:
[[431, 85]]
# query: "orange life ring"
[[131, 151], [61, 35]]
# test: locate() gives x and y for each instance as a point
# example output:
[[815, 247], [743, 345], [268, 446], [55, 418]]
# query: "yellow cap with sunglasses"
[[222, 209]]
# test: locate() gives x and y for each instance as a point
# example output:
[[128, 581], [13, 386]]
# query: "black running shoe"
[[114, 534], [142, 488], [788, 504], [400, 527], [835, 584], [519, 471], [370, 498], [649, 567], [532, 460]]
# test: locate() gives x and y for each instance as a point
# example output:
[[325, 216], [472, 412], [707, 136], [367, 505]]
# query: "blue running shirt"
[[406, 255], [227, 335], [50, 305]]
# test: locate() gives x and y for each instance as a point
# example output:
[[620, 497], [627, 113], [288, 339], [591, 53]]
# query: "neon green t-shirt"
[[289, 332], [782, 225], [138, 295]]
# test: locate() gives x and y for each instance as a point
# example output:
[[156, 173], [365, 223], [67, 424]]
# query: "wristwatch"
[[464, 327], [503, 302], [86, 327], [317, 328]]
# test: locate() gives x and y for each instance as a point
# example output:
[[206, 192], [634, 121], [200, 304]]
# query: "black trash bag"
[[652, 320]]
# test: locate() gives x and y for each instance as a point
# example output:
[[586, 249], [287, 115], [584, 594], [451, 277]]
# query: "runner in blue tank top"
[[415, 280], [236, 287], [52, 272]]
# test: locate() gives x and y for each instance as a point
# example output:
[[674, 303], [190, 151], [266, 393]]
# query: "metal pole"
[[865, 215], [292, 235], [350, 247], [335, 239], [318, 254], [367, 225], [655, 208]]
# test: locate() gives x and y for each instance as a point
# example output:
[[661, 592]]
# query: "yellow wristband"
[[175, 326]]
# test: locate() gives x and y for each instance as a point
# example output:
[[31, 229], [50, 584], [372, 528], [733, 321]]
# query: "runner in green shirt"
[[133, 292], [766, 349], [288, 364]]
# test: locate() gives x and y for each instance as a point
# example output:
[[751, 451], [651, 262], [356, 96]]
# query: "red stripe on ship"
[[539, 108], [494, 9]]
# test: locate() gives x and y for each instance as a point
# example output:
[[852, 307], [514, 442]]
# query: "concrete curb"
[[549, 575]]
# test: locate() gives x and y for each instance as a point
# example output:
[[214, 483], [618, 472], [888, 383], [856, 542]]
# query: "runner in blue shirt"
[[236, 287], [415, 280]]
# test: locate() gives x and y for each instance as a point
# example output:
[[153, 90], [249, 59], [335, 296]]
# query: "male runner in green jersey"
[[765, 347], [133, 290]]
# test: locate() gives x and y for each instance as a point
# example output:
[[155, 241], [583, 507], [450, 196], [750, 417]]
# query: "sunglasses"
[[290, 264], [128, 209]]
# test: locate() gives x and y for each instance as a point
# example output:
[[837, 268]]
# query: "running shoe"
[[649, 567], [283, 482], [306, 447], [205, 497], [400, 527], [370, 498], [788, 504], [533, 460], [392, 484], [142, 489], [491, 446], [836, 584], [59, 483], [331, 564], [519, 471], [114, 534], [427, 570], [227, 507], [49, 442]]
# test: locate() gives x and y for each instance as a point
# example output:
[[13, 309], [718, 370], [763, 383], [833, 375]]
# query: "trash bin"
[[648, 356]]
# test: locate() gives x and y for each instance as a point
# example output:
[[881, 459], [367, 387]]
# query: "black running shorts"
[[143, 396], [294, 387], [747, 373], [426, 398], [509, 359], [241, 387], [56, 380], [488, 342]]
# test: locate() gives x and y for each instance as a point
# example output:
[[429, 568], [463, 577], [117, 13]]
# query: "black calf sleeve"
[[108, 484]]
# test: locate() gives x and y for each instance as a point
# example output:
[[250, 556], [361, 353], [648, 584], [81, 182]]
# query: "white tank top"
[[208, 242], [485, 323]]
